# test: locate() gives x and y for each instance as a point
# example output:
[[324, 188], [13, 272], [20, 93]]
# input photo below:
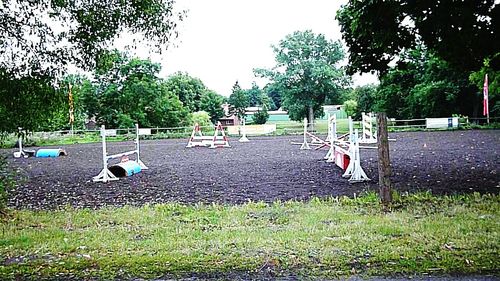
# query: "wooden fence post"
[[384, 163]]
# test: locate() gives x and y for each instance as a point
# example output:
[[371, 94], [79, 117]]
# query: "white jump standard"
[[126, 167], [243, 131], [368, 134]]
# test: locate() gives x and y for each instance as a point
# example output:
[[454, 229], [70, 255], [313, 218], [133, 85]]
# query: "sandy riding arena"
[[267, 169]]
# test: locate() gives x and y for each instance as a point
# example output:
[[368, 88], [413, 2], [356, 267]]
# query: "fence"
[[279, 128]]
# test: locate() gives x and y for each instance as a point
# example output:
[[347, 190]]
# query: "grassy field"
[[324, 238]]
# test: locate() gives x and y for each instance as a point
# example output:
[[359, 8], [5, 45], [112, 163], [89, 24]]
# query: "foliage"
[[238, 101], [350, 107], [306, 71], [254, 95], [190, 90], [211, 102], [377, 32], [365, 98], [423, 85], [491, 67], [61, 114], [201, 118], [128, 90], [28, 102], [6, 183], [261, 116], [273, 92], [46, 36]]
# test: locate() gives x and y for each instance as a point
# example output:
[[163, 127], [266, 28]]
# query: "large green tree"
[[307, 70], [492, 68], [128, 90], [254, 95], [424, 85], [40, 36], [189, 89], [461, 32], [238, 101], [211, 102], [28, 102]]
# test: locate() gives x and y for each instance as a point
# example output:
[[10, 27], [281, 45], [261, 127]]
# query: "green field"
[[421, 234]]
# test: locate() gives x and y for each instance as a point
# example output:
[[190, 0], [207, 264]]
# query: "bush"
[[260, 117], [202, 118]]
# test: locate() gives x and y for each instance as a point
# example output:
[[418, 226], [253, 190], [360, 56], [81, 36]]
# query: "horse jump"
[[344, 152], [125, 167], [198, 139], [42, 152]]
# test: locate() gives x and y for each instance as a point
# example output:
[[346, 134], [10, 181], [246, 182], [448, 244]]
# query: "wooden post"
[[384, 163]]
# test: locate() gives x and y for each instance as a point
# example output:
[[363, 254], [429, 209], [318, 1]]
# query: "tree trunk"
[[310, 119], [384, 163]]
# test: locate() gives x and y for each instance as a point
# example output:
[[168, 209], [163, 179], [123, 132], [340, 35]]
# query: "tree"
[[254, 95], [238, 101], [127, 91], [376, 32], [261, 116], [211, 102], [491, 67], [423, 85], [365, 97], [350, 107], [189, 89], [273, 93], [45, 36], [202, 118], [306, 71], [28, 102]]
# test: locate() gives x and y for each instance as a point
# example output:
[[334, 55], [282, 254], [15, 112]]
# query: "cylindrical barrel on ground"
[[125, 169], [50, 152]]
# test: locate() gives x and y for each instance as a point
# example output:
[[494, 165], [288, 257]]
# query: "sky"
[[222, 41]]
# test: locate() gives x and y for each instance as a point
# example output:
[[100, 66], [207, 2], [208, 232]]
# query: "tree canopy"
[[42, 37], [306, 71], [424, 85], [461, 32], [188, 89], [128, 90], [238, 101]]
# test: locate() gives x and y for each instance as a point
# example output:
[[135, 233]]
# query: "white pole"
[[305, 145], [104, 154], [371, 125], [243, 132], [137, 147], [351, 136]]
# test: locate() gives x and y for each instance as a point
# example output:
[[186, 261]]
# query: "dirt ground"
[[266, 168]]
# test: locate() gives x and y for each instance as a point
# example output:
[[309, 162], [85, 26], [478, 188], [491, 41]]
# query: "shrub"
[[260, 117], [202, 118]]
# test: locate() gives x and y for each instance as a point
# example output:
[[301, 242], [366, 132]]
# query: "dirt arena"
[[267, 169]]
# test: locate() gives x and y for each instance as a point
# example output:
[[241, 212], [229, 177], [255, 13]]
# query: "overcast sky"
[[221, 41]]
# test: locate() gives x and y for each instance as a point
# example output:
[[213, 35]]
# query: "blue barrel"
[[50, 152], [125, 169]]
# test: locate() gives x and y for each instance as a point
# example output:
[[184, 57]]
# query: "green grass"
[[321, 127], [322, 237]]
